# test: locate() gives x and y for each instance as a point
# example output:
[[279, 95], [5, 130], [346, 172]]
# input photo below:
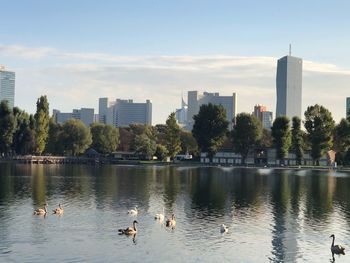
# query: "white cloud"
[[74, 80]]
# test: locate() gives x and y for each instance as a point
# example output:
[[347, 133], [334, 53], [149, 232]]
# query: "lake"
[[273, 215]]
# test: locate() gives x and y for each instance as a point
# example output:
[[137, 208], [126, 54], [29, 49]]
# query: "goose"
[[130, 230], [171, 221], [337, 249], [41, 211], [160, 216], [133, 212], [59, 210], [223, 228]]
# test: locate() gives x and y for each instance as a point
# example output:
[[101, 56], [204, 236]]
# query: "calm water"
[[273, 215]]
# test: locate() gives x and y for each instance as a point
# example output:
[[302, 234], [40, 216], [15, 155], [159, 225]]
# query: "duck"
[[133, 212], [336, 249], [171, 221], [223, 228], [59, 210], [160, 216], [130, 230], [41, 211]]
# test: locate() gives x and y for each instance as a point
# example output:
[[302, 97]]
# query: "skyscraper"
[[289, 86], [347, 107], [7, 86], [265, 116]]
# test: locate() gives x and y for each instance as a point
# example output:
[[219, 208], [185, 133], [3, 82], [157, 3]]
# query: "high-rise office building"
[[7, 86], [348, 107], [121, 113], [86, 115], [289, 86], [265, 116], [195, 100], [181, 114]]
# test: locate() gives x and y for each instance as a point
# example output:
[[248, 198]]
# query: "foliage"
[[172, 136], [145, 146], [266, 140], [42, 119], [188, 143], [297, 139], [282, 137], [210, 127], [24, 135], [7, 128], [105, 138], [161, 152], [342, 136], [54, 144], [319, 125], [126, 139], [75, 137], [245, 134]]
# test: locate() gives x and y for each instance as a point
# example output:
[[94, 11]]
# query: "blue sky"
[[158, 49]]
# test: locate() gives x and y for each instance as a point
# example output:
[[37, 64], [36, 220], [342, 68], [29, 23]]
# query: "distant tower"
[[347, 107], [289, 86], [7, 86]]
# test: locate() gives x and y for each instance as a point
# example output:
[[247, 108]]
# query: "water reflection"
[[280, 214]]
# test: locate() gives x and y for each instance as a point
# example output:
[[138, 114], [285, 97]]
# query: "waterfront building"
[[348, 107], [86, 115], [7, 86], [289, 86], [121, 113], [265, 116], [195, 100], [181, 114]]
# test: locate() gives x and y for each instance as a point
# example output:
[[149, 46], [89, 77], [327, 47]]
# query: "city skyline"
[[78, 52]]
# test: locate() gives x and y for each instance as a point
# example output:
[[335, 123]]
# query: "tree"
[[319, 125], [145, 146], [246, 134], [161, 152], [266, 140], [172, 136], [210, 127], [188, 143], [54, 144], [75, 137], [24, 135], [42, 119], [297, 139], [126, 139], [105, 138], [341, 140], [282, 137], [7, 128]]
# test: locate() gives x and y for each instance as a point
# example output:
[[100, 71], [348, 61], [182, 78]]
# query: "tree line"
[[247, 134], [22, 134]]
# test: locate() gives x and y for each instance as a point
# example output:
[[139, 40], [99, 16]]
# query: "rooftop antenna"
[[290, 49]]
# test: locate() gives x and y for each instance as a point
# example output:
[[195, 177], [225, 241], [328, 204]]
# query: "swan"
[[133, 212], [130, 230], [223, 228], [160, 217], [41, 211], [171, 221], [59, 210], [337, 249]]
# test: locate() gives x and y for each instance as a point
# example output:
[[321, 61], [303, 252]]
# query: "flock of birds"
[[170, 222]]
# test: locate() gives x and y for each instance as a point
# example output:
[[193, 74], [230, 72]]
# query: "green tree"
[[282, 137], [54, 142], [188, 143], [266, 140], [75, 137], [105, 138], [145, 146], [246, 134], [341, 140], [210, 127], [161, 152], [24, 135], [319, 125], [7, 128], [297, 139], [42, 119], [172, 136]]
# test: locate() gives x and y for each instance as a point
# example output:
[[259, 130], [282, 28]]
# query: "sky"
[[77, 51]]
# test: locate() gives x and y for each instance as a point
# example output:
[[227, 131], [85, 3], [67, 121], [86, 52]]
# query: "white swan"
[[171, 221], [133, 212], [337, 249], [223, 228], [130, 230], [160, 216], [59, 210], [41, 211]]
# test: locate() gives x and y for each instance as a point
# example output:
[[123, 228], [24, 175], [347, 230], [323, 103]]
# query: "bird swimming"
[[171, 221], [41, 211], [59, 210], [336, 249], [159, 216], [133, 212], [223, 228], [130, 230]]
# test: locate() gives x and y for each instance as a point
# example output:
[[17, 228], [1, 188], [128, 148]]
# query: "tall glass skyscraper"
[[289, 86], [7, 86], [348, 107]]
